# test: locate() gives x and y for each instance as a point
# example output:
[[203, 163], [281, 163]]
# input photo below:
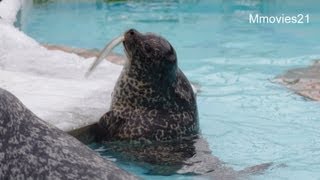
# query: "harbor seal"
[[32, 149], [152, 100], [153, 117]]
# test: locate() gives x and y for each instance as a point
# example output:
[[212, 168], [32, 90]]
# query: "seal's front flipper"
[[88, 134], [97, 132], [109, 124]]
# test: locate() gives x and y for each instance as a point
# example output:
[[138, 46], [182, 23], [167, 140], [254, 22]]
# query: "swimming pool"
[[246, 118]]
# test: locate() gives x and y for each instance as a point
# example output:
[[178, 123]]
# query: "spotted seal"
[[153, 117], [32, 149], [152, 100]]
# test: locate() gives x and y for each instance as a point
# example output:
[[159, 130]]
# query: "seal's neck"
[[151, 73], [147, 88]]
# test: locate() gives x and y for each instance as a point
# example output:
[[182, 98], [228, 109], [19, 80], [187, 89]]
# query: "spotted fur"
[[152, 100]]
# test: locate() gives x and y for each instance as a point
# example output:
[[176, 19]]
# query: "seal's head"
[[149, 52], [148, 55], [149, 47]]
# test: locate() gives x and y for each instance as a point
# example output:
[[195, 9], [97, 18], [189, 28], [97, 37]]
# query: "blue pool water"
[[245, 117]]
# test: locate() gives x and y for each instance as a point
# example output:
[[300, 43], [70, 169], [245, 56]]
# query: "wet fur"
[[152, 100]]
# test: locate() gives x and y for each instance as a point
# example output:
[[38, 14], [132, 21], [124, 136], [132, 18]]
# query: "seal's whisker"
[[104, 53]]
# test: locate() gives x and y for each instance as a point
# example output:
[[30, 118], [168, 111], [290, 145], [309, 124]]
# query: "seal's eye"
[[147, 48]]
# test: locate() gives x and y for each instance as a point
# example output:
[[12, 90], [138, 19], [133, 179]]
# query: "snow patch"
[[52, 83], [9, 10]]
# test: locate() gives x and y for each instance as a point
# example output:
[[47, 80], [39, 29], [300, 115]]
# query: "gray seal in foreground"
[[33, 149], [152, 100]]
